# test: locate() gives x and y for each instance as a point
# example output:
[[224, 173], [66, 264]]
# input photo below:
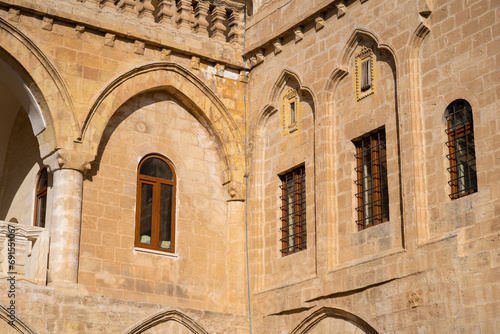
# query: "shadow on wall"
[[22, 163]]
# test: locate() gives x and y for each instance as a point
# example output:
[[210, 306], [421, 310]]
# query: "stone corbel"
[[278, 46], [219, 70], [63, 159], [14, 14], [166, 54], [260, 56], [319, 23], [236, 191], [79, 29], [195, 63], [139, 47], [47, 23], [299, 35], [341, 9], [109, 39]]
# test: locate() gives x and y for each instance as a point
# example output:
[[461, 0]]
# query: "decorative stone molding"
[[47, 23], [341, 8], [219, 70], [14, 14], [319, 23], [63, 159], [139, 47], [290, 112], [201, 13], [244, 76], [299, 35], [278, 46], [195, 63], [109, 40], [259, 56], [365, 55], [414, 299], [31, 252], [79, 30], [166, 54]]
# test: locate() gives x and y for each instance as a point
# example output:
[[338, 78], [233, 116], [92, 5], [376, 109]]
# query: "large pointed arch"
[[327, 312], [51, 106], [193, 93], [162, 317], [18, 325]]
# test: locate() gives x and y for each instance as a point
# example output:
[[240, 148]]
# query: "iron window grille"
[[462, 153], [371, 183], [293, 211]]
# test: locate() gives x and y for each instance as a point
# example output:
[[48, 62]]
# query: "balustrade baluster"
[[165, 12], [146, 9], [218, 17], [201, 13], [184, 9], [236, 26]]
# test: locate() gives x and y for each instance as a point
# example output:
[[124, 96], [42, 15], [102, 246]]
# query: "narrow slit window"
[[293, 211], [371, 180], [462, 152], [41, 198], [292, 112], [366, 75]]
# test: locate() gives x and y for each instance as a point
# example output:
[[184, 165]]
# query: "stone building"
[[265, 166]]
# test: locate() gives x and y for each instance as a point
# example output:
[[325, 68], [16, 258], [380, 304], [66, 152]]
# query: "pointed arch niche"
[[170, 321], [282, 142], [329, 320], [356, 111]]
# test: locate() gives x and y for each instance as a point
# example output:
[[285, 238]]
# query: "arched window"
[[462, 153], [41, 198], [155, 216]]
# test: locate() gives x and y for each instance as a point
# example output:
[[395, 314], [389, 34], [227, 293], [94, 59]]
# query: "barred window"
[[155, 220], [371, 183], [293, 211], [41, 198], [462, 153]]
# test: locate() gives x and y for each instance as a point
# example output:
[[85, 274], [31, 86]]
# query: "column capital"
[[64, 159]]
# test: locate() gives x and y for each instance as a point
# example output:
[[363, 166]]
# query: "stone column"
[[67, 186]]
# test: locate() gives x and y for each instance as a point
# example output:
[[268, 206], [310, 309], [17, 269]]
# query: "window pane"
[[292, 112], [146, 213], [42, 182], [42, 207], [166, 217], [156, 167]]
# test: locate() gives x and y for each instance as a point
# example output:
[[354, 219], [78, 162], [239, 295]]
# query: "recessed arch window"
[[462, 152], [41, 198], [155, 216]]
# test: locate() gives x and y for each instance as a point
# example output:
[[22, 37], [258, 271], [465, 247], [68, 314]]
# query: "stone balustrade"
[[218, 19], [31, 252]]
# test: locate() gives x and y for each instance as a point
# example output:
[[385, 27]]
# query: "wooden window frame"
[[371, 180], [462, 183], [296, 219], [155, 224], [39, 193]]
